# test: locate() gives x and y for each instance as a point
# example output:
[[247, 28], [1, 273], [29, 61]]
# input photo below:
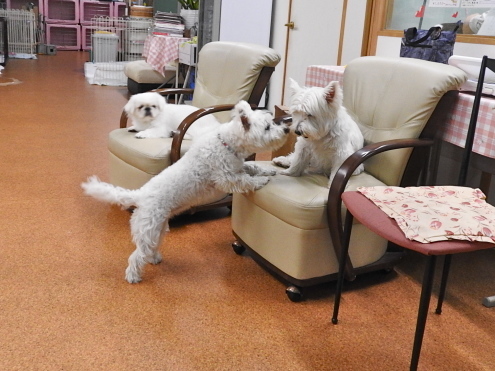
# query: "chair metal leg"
[[424, 303], [443, 284], [342, 260]]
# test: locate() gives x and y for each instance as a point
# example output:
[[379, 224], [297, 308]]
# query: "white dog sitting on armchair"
[[326, 133]]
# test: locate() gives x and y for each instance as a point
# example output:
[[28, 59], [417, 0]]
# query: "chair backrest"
[[468, 147], [230, 71], [393, 98]]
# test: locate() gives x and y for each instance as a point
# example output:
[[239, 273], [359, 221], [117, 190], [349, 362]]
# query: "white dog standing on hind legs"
[[327, 134], [213, 165]]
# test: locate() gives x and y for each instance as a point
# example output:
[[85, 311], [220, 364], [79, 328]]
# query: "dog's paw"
[[261, 181], [269, 172], [281, 161], [156, 259], [140, 135], [131, 276], [288, 172]]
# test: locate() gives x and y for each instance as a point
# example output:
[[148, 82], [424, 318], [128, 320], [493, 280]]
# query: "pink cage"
[[119, 9], [18, 4], [61, 11], [64, 36], [89, 9]]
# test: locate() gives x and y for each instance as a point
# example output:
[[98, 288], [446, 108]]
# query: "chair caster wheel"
[[294, 294], [238, 248]]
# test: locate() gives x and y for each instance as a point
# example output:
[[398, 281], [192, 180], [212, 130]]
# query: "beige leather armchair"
[[226, 73], [285, 225]]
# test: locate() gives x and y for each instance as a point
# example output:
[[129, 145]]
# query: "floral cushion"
[[429, 214]]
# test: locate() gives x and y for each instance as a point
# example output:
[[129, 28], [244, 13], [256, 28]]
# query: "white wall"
[[246, 21], [354, 30]]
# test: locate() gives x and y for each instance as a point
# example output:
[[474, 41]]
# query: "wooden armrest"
[[187, 122], [172, 91], [123, 120], [339, 183]]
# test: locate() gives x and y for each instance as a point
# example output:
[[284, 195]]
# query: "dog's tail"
[[109, 193]]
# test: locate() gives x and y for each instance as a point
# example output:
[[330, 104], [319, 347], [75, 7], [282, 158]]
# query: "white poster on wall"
[[443, 3], [477, 3]]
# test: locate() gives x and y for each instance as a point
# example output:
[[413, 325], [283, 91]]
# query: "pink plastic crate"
[[89, 9], [18, 4], [62, 11], [86, 32], [119, 9], [64, 36]]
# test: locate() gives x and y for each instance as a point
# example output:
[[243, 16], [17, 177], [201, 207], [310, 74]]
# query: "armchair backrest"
[[394, 98], [230, 71]]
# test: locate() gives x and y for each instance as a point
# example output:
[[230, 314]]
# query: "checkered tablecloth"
[[457, 122], [161, 50], [322, 75]]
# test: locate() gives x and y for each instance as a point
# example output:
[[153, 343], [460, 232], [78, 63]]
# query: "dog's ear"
[[242, 110], [162, 101], [245, 122], [129, 107], [294, 86], [331, 91]]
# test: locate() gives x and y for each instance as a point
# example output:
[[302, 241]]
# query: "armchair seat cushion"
[[292, 212], [142, 72], [301, 201], [141, 77], [149, 156]]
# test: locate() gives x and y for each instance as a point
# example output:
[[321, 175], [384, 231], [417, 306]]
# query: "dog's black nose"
[[147, 111], [286, 130]]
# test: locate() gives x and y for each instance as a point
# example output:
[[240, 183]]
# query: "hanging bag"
[[432, 45]]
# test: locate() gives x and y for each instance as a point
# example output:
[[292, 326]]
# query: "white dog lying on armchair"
[[152, 117]]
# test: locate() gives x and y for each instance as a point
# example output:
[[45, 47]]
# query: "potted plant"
[[190, 12], [189, 4]]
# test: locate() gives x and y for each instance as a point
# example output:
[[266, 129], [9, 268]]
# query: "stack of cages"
[[62, 24], [94, 9], [21, 32], [115, 41]]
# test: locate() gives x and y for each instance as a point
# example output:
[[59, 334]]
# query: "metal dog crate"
[[21, 32]]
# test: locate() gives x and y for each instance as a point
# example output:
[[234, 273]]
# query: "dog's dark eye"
[[140, 107], [153, 106], [310, 115], [267, 127]]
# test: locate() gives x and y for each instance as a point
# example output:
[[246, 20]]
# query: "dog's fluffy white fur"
[[152, 117], [327, 134], [213, 165]]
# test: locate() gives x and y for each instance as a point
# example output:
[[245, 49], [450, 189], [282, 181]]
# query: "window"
[[476, 16]]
